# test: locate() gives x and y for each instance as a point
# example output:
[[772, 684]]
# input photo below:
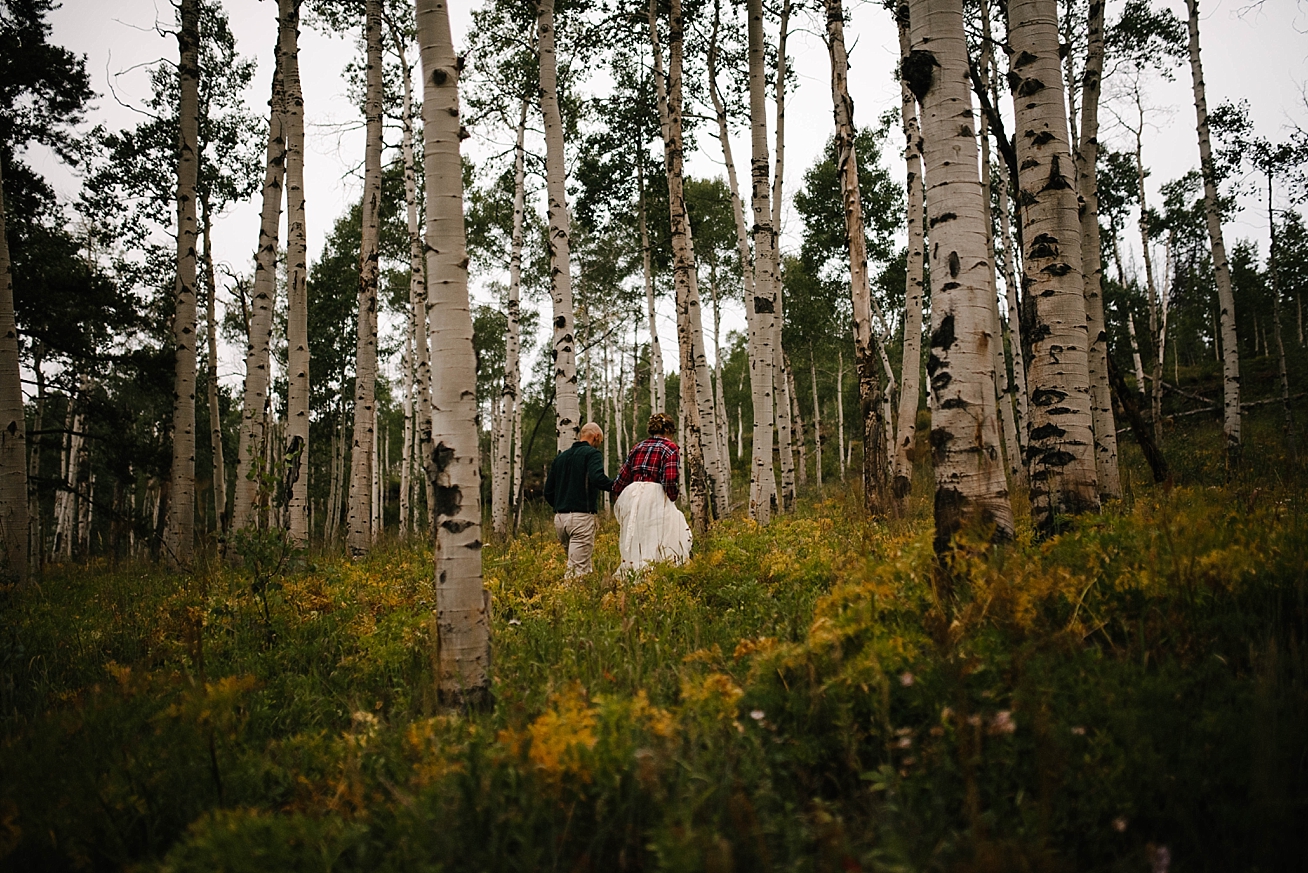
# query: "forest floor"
[[1130, 694]]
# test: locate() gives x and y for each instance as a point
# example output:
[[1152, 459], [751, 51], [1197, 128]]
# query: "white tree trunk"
[[1061, 454], [211, 382], [840, 410], [657, 389], [406, 450], [250, 445], [817, 416], [970, 485], [566, 408], [462, 604], [13, 427], [360, 534], [696, 385], [179, 536], [1086, 156], [785, 434], [297, 293], [500, 491], [1221, 268], [764, 301], [801, 468]]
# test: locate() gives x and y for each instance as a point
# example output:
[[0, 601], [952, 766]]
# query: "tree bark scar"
[[919, 70]]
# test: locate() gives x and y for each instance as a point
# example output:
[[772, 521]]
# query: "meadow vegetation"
[[794, 698]]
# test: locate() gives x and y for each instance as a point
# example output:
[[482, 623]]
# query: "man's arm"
[[550, 483], [595, 472]]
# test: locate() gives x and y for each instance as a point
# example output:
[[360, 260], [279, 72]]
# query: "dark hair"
[[660, 423]]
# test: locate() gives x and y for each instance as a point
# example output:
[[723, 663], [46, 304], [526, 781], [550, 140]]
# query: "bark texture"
[[1061, 451], [359, 531], [297, 294], [970, 484], [250, 445], [911, 364], [179, 536], [764, 302], [462, 604], [1221, 268], [1092, 261], [13, 427], [566, 406]]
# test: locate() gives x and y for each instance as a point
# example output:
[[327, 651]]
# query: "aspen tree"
[[359, 527], [1086, 156], [13, 426], [911, 364], [179, 536], [785, 439], [211, 381], [702, 456], [297, 294], [873, 429], [250, 444], [657, 388], [462, 604], [970, 484], [566, 407], [1061, 452], [1221, 268], [764, 303], [500, 490]]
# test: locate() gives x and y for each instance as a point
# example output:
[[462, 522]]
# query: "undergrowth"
[[794, 698]]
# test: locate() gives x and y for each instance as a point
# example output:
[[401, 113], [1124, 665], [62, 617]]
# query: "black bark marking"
[[1047, 432], [1047, 396], [954, 265], [456, 526], [954, 403], [1042, 138], [560, 322], [933, 364], [1056, 182], [918, 71], [1044, 246], [1029, 163], [942, 217], [764, 305], [1029, 87], [448, 500], [950, 286], [940, 381], [1023, 59], [943, 336], [1059, 269]]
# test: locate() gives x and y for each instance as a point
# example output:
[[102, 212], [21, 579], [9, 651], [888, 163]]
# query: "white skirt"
[[651, 527]]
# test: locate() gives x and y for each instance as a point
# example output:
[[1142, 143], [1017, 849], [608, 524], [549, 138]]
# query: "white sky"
[[1260, 55]]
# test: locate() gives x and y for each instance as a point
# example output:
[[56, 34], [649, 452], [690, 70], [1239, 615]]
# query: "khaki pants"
[[577, 531]]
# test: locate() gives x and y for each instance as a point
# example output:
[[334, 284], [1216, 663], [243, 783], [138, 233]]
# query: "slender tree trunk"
[[1221, 268], [657, 390], [1273, 268], [970, 485], [785, 433], [36, 541], [696, 386], [1003, 386], [840, 410], [719, 396], [406, 451], [911, 364], [817, 416], [1135, 353], [179, 535], [462, 604], [211, 382], [565, 366], [1062, 455], [874, 466], [765, 276], [802, 468], [258, 322], [297, 294], [1086, 156], [359, 531], [509, 394], [13, 427]]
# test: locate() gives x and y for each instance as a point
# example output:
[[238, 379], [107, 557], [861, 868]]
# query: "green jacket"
[[576, 479]]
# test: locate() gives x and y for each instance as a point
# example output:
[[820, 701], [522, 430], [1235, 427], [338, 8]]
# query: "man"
[[572, 487]]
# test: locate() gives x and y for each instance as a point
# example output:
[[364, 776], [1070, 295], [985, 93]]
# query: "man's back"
[[576, 479]]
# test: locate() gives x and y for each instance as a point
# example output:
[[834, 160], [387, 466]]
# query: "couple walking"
[[651, 528]]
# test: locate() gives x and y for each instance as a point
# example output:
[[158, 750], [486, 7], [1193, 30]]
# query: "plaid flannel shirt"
[[651, 460]]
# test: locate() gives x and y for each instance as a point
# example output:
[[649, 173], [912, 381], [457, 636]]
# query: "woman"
[[651, 526]]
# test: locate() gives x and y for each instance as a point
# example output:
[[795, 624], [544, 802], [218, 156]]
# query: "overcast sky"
[[1255, 51]]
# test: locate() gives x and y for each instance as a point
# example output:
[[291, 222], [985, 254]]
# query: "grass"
[[791, 699]]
